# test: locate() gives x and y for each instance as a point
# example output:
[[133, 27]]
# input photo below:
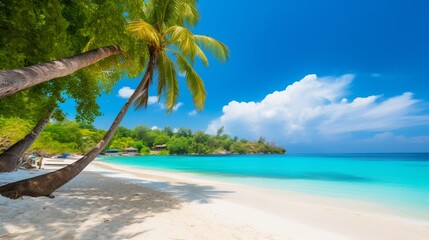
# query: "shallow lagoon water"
[[399, 180]]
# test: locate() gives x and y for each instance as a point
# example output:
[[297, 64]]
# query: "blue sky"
[[311, 75]]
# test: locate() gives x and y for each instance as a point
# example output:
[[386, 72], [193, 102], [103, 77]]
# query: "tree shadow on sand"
[[103, 208]]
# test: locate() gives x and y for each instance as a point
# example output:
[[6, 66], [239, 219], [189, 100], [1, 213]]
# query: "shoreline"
[[345, 203], [207, 209]]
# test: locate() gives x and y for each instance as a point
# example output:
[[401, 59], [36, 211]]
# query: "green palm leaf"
[[174, 12], [193, 80], [167, 81], [201, 55], [218, 49], [145, 31], [184, 39], [167, 11], [162, 78], [142, 100], [189, 12]]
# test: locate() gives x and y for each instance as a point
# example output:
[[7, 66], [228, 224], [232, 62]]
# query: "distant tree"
[[238, 147], [140, 132], [201, 137], [150, 138], [123, 132], [122, 143], [184, 132], [226, 144], [178, 145], [168, 130], [138, 145], [199, 148], [160, 139], [219, 131], [145, 150]]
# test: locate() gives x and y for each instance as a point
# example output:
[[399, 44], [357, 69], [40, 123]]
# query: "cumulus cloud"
[[125, 92], [155, 128], [175, 108], [391, 142], [315, 108], [193, 113], [152, 100], [389, 137]]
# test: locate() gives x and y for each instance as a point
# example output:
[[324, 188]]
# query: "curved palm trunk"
[[44, 185], [10, 157], [15, 80]]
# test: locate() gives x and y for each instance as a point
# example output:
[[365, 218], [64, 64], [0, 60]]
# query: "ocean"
[[397, 180]]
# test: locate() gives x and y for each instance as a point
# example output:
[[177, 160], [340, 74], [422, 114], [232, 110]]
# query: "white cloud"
[[181, 74], [175, 108], [125, 92], [152, 100], [315, 108], [193, 113], [154, 128], [390, 142], [389, 137]]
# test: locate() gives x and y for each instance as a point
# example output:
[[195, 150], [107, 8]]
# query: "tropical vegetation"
[[78, 138]]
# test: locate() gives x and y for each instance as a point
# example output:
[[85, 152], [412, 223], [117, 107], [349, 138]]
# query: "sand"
[[115, 202]]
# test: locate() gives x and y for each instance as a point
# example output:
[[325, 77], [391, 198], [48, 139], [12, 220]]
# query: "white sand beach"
[[116, 202]]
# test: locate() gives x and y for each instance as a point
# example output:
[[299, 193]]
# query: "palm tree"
[[9, 158], [163, 31], [15, 80]]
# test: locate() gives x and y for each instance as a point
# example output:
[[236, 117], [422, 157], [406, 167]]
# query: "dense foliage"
[[73, 137], [33, 32]]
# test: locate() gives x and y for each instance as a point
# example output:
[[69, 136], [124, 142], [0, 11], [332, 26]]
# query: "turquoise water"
[[393, 179]]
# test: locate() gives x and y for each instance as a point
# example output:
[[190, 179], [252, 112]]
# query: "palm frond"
[[175, 12], [168, 85], [219, 50], [145, 31], [162, 76], [201, 55], [167, 12], [189, 12], [184, 39], [193, 80], [143, 98], [148, 13]]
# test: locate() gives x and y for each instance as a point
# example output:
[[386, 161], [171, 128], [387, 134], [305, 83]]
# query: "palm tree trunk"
[[15, 80], [10, 157], [44, 185]]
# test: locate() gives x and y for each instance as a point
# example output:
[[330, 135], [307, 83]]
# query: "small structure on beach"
[[131, 151], [158, 148], [113, 152]]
